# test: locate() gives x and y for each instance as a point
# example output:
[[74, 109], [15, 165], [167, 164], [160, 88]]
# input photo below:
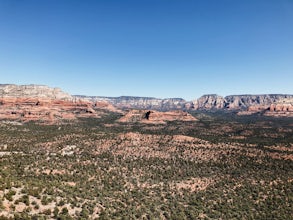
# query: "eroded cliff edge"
[[40, 95]]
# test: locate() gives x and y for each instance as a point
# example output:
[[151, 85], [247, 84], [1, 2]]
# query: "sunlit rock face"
[[45, 104], [32, 91], [39, 102], [245, 101], [132, 102], [156, 117], [210, 102]]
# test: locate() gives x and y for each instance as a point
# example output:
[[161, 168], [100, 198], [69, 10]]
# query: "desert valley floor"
[[220, 166]]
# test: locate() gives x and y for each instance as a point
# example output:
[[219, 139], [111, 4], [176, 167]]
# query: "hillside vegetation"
[[222, 166]]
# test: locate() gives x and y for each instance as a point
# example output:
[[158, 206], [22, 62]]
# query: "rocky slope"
[[280, 109], [240, 101], [45, 104], [44, 110], [246, 101], [250, 103], [210, 102], [126, 102], [268, 104], [30, 95], [32, 91], [156, 117]]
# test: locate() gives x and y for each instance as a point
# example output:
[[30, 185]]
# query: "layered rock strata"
[[45, 104], [29, 95], [132, 102], [32, 91], [45, 110]]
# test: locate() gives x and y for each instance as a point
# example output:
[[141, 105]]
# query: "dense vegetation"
[[86, 170]]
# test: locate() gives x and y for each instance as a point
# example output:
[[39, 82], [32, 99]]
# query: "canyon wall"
[[132, 102], [27, 99]]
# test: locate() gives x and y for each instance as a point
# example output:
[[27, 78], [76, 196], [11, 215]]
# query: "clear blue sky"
[[158, 48]]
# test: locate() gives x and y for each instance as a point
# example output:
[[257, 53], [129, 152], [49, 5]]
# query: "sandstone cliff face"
[[249, 103], [210, 102], [45, 104], [280, 109], [32, 91], [127, 102], [36, 96], [44, 110], [245, 101], [238, 102], [270, 105]]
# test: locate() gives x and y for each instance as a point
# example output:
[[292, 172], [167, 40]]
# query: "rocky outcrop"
[[246, 101], [32, 91], [284, 108], [156, 117], [132, 102], [45, 104], [39, 95], [44, 110], [271, 105], [246, 104], [280, 109], [240, 102], [210, 102]]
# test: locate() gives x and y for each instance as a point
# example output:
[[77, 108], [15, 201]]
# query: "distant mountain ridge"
[[135, 102], [32, 91], [205, 102], [240, 101]]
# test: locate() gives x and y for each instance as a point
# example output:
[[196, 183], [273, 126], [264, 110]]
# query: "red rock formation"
[[287, 107], [280, 109], [46, 110], [106, 106], [42, 103], [277, 109], [257, 108], [156, 117]]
